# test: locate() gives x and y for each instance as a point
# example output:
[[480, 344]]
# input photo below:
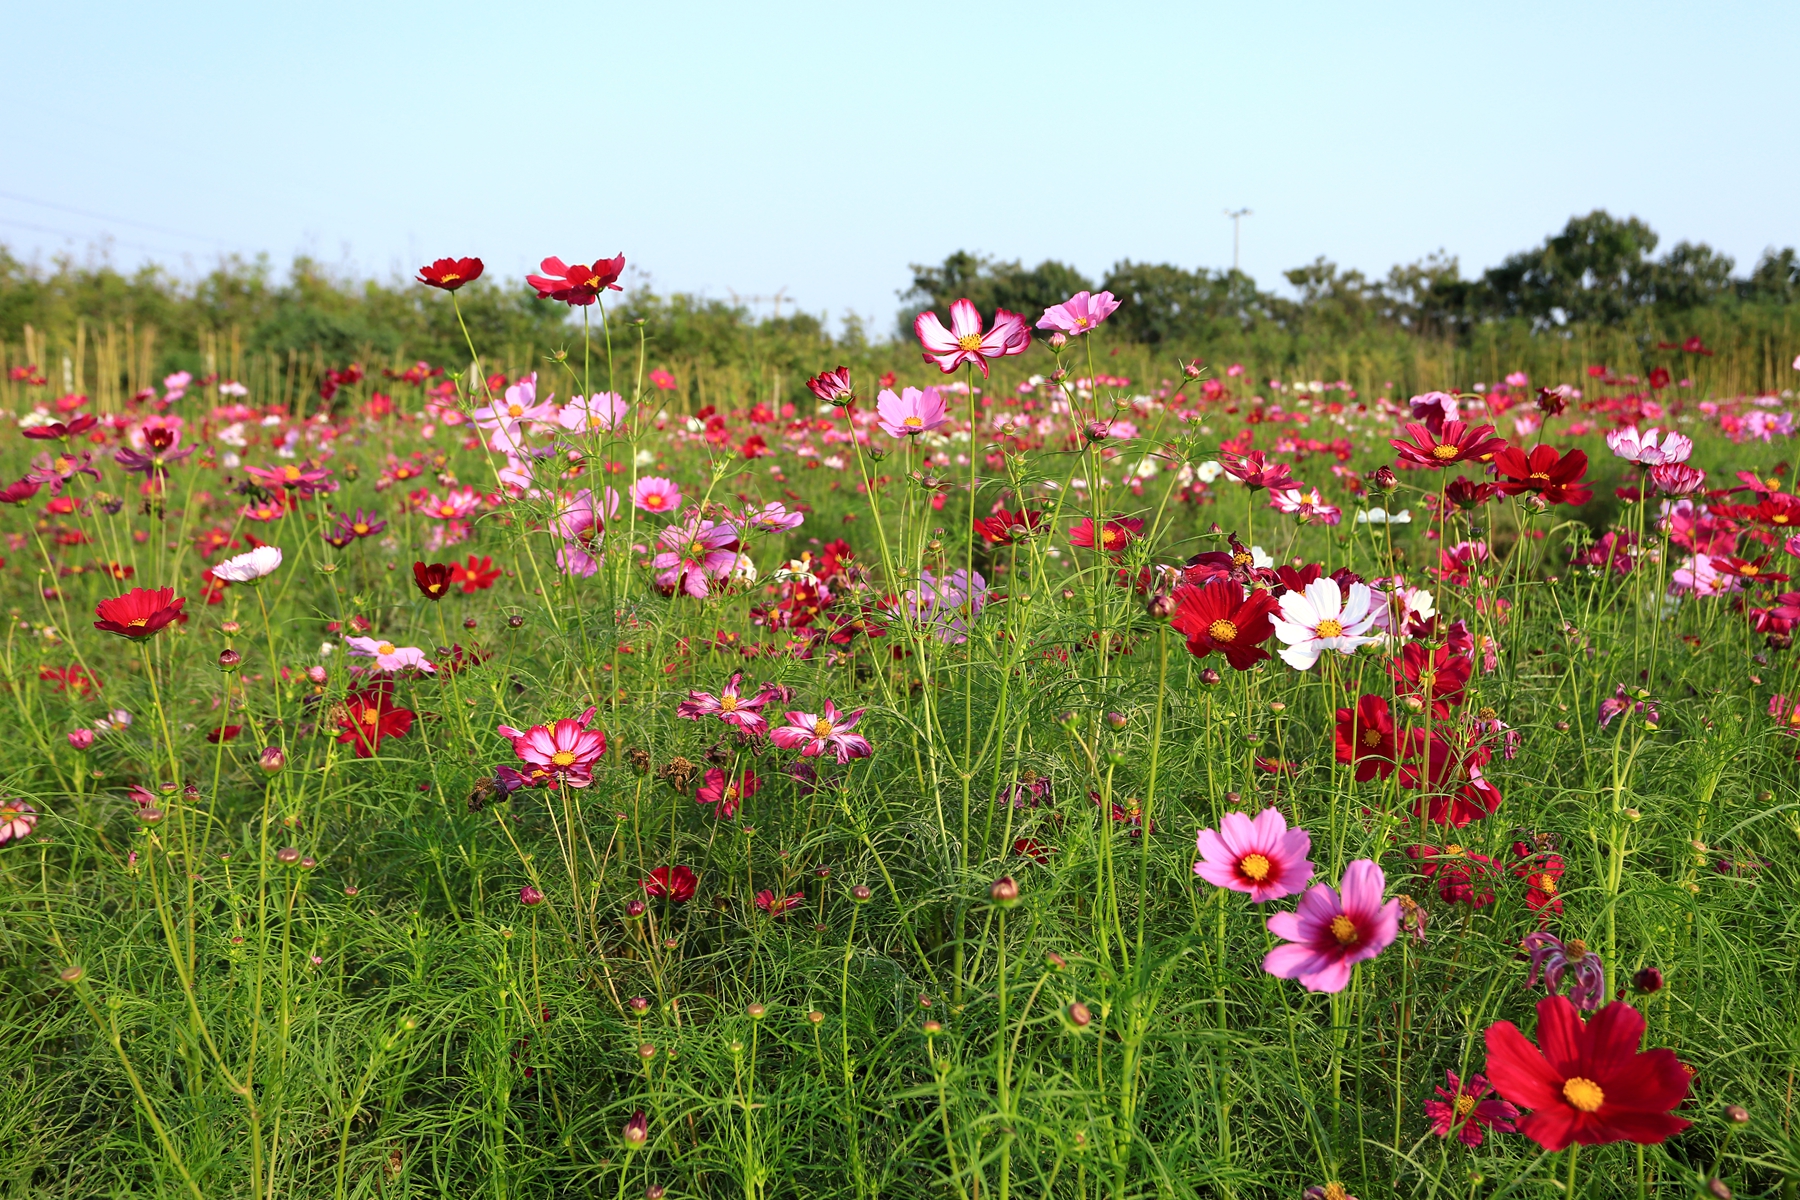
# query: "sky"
[[817, 149]]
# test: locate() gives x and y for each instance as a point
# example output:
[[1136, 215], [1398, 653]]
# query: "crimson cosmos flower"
[[1254, 471], [1458, 871], [1003, 527], [831, 386], [476, 575], [1441, 674], [1459, 442], [1115, 535], [727, 792], [368, 716], [434, 579], [19, 491], [1751, 571], [778, 906], [58, 430], [1556, 477], [677, 883], [1587, 1081], [1463, 1110], [1366, 737], [139, 612], [1542, 874], [450, 273], [1457, 793], [1219, 616], [576, 284]]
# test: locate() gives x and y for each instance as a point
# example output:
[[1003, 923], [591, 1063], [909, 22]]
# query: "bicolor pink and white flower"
[[730, 705], [17, 820], [654, 494], [249, 566], [813, 735], [1698, 575], [1331, 932], [1641, 447], [1324, 618], [773, 518], [456, 504], [910, 413], [566, 750], [964, 341], [387, 656], [694, 554], [1262, 857], [1080, 313], [1306, 503]]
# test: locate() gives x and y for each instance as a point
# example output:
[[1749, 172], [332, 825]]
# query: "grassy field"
[[282, 913]]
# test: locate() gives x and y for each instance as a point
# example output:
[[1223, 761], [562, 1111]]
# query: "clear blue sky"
[[823, 147]]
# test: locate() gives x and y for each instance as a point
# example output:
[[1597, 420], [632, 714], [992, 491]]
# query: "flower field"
[[995, 775]]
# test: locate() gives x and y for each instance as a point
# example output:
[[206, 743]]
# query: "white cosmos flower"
[[1260, 559], [1209, 471], [1323, 618], [249, 567], [1381, 516]]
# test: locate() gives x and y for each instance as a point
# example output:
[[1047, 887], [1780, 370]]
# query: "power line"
[[82, 212], [71, 234]]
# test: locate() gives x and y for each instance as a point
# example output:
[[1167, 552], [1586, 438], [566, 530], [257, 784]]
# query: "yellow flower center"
[[1540, 475], [1344, 930], [1547, 883], [370, 716], [822, 728], [515, 410], [1081, 320], [1464, 1106], [655, 500], [385, 648], [914, 422], [138, 622], [1749, 569], [1781, 518], [360, 529], [1336, 1191], [449, 277], [1444, 451], [1222, 631], [290, 472], [563, 758], [1371, 738], [1583, 1094], [1241, 560], [1428, 679], [969, 341], [1330, 628], [1255, 867]]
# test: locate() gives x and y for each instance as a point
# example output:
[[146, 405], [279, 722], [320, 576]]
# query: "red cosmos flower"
[[1115, 535], [66, 678], [58, 430], [1542, 874], [1452, 776], [433, 580], [777, 906], [476, 575], [224, 733], [577, 285], [1458, 872], [450, 273], [1003, 527], [1034, 850], [1778, 510], [1220, 616], [1556, 477], [1366, 737], [1749, 570], [1467, 495], [1589, 1082], [1254, 471], [1461, 1108], [1695, 346], [368, 716], [20, 491], [1460, 442], [677, 883], [1659, 378], [1441, 674], [139, 612], [831, 386]]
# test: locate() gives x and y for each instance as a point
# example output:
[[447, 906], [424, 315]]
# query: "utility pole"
[[1236, 220]]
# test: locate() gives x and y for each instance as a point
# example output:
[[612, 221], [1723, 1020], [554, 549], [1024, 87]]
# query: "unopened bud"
[[1161, 605], [1384, 481], [1058, 340], [815, 1016], [1717, 1188], [530, 897], [654, 1192], [646, 1052], [514, 621], [152, 816], [1004, 891], [861, 894], [636, 1131], [1648, 980], [638, 1005], [272, 759], [1210, 677], [1117, 720], [755, 1012], [1080, 1015], [72, 974], [317, 675], [635, 909], [229, 659], [1737, 1114], [288, 855], [931, 1028]]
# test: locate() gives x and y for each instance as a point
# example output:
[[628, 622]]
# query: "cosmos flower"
[[1306, 504], [1004, 527], [830, 730], [964, 342], [1556, 477], [1554, 959], [517, 404], [1463, 1110], [727, 791], [450, 273], [366, 717], [1331, 932], [1115, 535], [831, 386], [778, 906], [694, 554], [456, 504], [476, 575], [1589, 1083], [1080, 313], [576, 285], [1324, 617], [389, 657], [1456, 442], [730, 706], [159, 453], [250, 566], [1253, 470], [139, 613], [17, 820], [602, 410], [678, 883], [773, 518], [1633, 446], [654, 494], [910, 413], [1221, 616], [1262, 858], [1365, 736], [1438, 674], [567, 749], [432, 579]]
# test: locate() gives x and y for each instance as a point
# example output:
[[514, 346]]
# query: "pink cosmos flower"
[[813, 735], [566, 751], [655, 494], [1698, 575], [1677, 479], [730, 706], [456, 504], [1080, 313], [17, 820], [1262, 858], [774, 518], [1329, 934], [580, 525], [964, 342], [518, 403], [910, 413], [694, 553], [1308, 504], [602, 410], [726, 791], [387, 656], [1636, 447]]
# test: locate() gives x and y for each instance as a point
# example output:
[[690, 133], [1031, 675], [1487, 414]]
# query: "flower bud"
[[1058, 340], [1210, 677], [287, 856], [1117, 720], [1717, 1188], [514, 621], [229, 659], [646, 1052], [639, 1005], [931, 1028], [1191, 369], [1737, 1114], [654, 1192], [861, 894], [530, 897], [1004, 891], [230, 627], [272, 759], [1056, 960], [755, 1012], [72, 974], [1648, 980], [316, 675], [308, 863], [636, 1131], [152, 816], [1161, 605], [1080, 1015], [1384, 481], [635, 909], [81, 739], [815, 1016]]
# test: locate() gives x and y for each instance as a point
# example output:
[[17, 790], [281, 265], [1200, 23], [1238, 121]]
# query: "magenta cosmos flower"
[[729, 706], [964, 342], [580, 524], [655, 494], [1330, 933], [566, 751], [830, 730], [1080, 313], [1465, 1108], [693, 554], [1263, 858], [910, 413]]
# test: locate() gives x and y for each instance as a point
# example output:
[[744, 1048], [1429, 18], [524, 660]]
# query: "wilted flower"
[[1554, 958]]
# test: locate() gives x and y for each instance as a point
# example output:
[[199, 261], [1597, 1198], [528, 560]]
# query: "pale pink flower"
[[387, 656], [580, 525], [910, 413], [566, 750], [964, 342], [1261, 857], [773, 518], [17, 820], [1305, 503], [602, 410], [1080, 313], [1677, 479], [694, 553], [654, 494], [830, 730], [1636, 447], [456, 504], [1697, 574], [519, 404], [1330, 933]]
